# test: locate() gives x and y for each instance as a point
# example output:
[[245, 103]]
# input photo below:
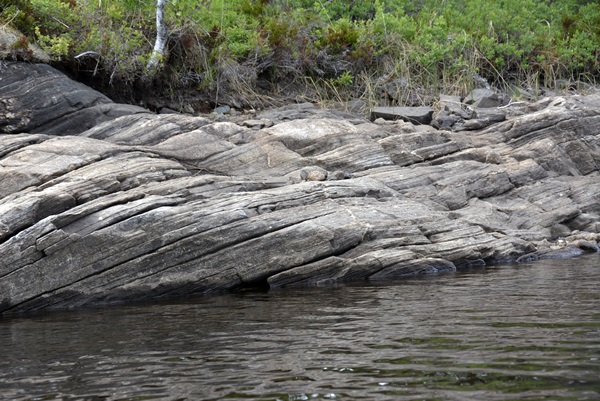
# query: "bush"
[[437, 44]]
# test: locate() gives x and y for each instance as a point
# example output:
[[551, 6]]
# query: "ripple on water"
[[526, 332]]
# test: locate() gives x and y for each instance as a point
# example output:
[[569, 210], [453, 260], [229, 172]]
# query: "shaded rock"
[[143, 206], [449, 112], [413, 268], [562, 253], [38, 99], [415, 115]]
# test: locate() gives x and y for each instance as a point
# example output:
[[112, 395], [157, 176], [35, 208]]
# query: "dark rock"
[[562, 253], [589, 246], [38, 99], [415, 115], [166, 110], [450, 111], [528, 258], [144, 206]]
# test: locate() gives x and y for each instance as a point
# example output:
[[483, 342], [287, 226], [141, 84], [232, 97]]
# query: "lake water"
[[517, 332]]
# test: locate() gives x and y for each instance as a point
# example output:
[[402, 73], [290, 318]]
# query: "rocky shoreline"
[[106, 203]]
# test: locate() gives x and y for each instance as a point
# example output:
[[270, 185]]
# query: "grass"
[[396, 52]]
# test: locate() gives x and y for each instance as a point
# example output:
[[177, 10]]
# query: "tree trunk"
[[161, 39]]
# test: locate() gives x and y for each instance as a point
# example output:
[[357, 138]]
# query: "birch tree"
[[161, 39]]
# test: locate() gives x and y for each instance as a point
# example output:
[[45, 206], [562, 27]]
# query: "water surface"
[[517, 332]]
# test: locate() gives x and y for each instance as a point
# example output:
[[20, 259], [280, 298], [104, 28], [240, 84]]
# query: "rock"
[[38, 99], [493, 115], [450, 112], [453, 105], [314, 173], [480, 119], [166, 110], [258, 124], [415, 115], [223, 109], [11, 49], [453, 115], [485, 98], [127, 205]]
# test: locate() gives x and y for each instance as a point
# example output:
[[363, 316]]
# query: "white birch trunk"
[[161, 38]]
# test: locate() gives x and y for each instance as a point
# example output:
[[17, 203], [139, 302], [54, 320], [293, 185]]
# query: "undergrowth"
[[395, 52]]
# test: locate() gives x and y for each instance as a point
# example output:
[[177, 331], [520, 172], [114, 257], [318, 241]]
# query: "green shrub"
[[437, 44]]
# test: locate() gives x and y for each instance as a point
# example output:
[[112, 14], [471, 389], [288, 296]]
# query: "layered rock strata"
[[106, 203]]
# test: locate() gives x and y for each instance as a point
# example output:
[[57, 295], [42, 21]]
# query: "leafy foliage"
[[438, 44]]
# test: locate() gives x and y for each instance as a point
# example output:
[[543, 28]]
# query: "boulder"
[[128, 205]]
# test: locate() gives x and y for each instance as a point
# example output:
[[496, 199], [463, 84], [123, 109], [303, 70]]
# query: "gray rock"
[[144, 206], [223, 109], [415, 115], [9, 37], [485, 98], [314, 173], [450, 112], [258, 124]]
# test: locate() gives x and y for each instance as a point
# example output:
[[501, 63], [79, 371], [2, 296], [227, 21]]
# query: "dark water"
[[526, 332]]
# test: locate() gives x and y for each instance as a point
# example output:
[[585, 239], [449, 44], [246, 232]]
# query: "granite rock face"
[[105, 203]]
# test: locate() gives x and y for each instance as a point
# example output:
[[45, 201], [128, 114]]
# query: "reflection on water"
[[526, 332]]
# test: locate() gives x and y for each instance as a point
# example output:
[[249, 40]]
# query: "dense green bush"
[[352, 46]]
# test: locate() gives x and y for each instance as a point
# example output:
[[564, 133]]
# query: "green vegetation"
[[333, 49]]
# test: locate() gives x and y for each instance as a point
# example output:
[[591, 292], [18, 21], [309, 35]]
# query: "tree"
[[161, 39]]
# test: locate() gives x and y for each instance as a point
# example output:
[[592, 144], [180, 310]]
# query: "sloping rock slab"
[[38, 99], [143, 206]]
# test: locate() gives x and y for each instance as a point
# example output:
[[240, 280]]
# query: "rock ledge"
[[106, 203]]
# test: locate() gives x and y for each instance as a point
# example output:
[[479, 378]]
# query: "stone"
[[450, 111], [124, 205], [38, 99], [258, 124], [313, 174], [9, 37], [415, 115], [225, 109], [485, 98]]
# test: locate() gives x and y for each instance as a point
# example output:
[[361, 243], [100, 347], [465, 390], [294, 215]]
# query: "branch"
[[88, 53]]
